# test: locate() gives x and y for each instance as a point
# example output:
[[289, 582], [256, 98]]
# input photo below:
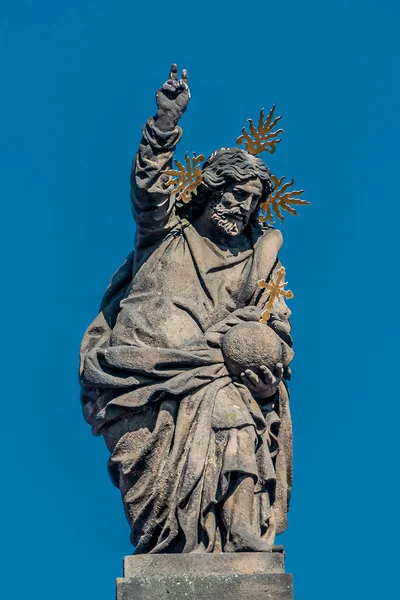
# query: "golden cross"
[[273, 289]]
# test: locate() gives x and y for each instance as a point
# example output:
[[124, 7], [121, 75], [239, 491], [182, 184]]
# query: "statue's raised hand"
[[172, 99]]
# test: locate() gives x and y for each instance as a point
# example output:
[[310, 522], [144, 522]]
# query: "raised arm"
[[151, 203]]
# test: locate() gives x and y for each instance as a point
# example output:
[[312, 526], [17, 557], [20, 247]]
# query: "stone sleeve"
[[151, 205]]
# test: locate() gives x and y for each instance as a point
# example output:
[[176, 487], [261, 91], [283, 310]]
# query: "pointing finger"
[[185, 81], [173, 74]]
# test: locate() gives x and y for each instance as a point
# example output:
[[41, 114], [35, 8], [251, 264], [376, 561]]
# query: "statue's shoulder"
[[269, 236]]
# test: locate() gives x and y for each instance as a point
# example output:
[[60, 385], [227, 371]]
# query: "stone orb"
[[250, 345]]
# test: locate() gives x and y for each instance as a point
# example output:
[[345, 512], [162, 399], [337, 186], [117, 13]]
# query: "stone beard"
[[219, 214], [202, 456]]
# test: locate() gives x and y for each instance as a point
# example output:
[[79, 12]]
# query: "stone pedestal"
[[236, 576]]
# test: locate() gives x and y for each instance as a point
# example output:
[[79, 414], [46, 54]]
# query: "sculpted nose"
[[229, 200], [246, 204]]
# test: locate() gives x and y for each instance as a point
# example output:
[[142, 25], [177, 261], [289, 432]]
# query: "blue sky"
[[78, 81]]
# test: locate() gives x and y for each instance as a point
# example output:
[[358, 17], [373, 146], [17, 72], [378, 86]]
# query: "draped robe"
[[154, 382]]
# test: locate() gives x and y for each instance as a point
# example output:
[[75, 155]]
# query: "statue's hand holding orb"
[[264, 385], [172, 98], [258, 356]]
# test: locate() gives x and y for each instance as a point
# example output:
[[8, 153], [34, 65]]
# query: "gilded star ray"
[[185, 179], [262, 138], [280, 199]]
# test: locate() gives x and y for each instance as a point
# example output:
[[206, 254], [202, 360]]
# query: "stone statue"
[[180, 374]]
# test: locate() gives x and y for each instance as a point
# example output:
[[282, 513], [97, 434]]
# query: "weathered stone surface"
[[253, 344], [271, 586], [236, 576], [245, 563]]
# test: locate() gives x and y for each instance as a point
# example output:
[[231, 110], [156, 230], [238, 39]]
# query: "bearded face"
[[231, 212]]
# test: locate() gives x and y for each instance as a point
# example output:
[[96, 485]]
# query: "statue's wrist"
[[265, 400], [166, 120]]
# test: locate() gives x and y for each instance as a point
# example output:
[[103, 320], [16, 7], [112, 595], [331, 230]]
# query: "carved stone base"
[[236, 576]]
